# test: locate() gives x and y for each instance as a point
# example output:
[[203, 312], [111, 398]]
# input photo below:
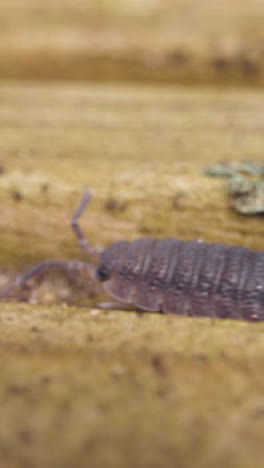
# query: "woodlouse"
[[173, 276]]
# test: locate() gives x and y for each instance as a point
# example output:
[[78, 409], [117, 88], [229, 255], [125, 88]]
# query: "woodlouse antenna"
[[42, 267], [64, 264], [83, 242]]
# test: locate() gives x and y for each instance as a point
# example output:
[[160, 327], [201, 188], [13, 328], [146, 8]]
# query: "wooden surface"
[[82, 387], [144, 147], [186, 41]]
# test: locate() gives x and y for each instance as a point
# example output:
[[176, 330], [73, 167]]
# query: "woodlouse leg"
[[115, 305], [83, 242], [41, 267]]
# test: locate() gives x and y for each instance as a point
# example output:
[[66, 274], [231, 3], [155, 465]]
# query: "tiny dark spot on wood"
[[222, 355], [179, 57], [44, 188], [144, 229], [17, 388], [25, 436], [17, 196], [90, 337], [162, 392], [88, 445], [65, 405], [112, 204], [221, 64], [140, 313], [247, 65], [176, 200], [158, 364], [258, 412], [45, 379], [200, 357]]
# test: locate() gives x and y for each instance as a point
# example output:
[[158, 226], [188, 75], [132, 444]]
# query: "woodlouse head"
[[110, 260], [103, 273]]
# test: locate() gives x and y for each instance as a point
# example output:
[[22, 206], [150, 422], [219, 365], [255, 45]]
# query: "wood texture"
[[176, 41]]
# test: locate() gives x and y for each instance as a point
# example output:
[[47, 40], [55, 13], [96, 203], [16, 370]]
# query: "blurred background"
[[171, 41]]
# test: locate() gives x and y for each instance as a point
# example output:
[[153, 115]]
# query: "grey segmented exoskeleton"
[[173, 276]]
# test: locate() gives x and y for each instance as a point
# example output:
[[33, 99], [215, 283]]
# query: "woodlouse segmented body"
[[185, 277], [173, 276]]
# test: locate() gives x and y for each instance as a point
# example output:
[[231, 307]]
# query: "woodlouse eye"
[[102, 273]]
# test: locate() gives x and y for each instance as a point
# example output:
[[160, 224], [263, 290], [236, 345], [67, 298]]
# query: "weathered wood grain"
[[183, 41]]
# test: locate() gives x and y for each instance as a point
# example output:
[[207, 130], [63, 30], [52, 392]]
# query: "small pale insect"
[[171, 276]]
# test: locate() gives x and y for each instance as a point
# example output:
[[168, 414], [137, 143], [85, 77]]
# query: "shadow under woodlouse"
[[171, 276]]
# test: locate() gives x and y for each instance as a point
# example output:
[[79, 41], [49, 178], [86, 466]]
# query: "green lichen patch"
[[245, 186]]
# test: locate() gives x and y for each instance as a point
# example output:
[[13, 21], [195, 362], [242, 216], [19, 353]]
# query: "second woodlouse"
[[173, 276]]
